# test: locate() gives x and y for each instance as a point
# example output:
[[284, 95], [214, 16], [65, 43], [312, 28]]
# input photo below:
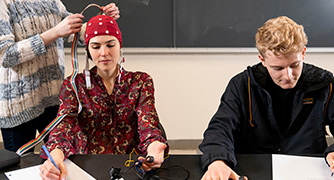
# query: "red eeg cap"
[[102, 25]]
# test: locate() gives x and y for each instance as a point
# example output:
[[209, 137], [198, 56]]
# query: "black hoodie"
[[239, 128]]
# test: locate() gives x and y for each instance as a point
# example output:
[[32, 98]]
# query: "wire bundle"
[[57, 120]]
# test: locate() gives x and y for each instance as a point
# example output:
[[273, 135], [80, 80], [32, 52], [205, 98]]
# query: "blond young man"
[[280, 105]]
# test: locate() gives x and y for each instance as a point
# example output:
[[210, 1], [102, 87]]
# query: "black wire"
[[168, 173], [172, 174], [135, 163]]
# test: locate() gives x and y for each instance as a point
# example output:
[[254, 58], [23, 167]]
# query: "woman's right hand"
[[47, 171]]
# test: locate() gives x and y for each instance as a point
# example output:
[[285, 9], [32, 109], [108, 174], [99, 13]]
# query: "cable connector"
[[115, 174]]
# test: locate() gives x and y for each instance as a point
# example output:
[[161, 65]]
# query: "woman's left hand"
[[111, 10], [156, 150]]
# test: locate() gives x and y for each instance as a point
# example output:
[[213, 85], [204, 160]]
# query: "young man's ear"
[[304, 51], [262, 60]]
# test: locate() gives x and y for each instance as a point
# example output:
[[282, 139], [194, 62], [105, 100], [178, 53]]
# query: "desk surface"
[[253, 166]]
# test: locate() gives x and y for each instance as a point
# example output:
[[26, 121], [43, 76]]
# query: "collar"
[[312, 77]]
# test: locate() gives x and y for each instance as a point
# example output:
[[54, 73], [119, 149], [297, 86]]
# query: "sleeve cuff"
[[207, 159], [38, 46]]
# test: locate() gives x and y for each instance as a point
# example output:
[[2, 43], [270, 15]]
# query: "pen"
[[49, 156]]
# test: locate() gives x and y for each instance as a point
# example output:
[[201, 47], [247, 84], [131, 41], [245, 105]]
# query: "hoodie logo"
[[308, 101]]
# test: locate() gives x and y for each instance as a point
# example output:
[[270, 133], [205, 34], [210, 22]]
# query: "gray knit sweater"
[[30, 73]]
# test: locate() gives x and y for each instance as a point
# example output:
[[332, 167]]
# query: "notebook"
[[74, 173]]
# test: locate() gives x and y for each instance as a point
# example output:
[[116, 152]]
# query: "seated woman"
[[118, 113]]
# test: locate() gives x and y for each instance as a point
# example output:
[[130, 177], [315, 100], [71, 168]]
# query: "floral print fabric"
[[108, 123]]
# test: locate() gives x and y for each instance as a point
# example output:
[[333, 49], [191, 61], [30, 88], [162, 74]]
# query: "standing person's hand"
[[111, 10], [70, 25], [218, 170]]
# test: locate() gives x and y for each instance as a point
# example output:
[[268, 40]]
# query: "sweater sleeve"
[[62, 9], [218, 142], [147, 116], [67, 135], [18, 44], [13, 52]]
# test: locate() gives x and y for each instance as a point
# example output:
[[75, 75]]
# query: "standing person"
[[280, 105], [118, 113], [32, 64]]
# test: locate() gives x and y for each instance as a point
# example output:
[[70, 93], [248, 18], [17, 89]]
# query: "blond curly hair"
[[280, 35]]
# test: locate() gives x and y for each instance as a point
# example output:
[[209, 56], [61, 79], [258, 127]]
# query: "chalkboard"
[[233, 23], [143, 23], [213, 23]]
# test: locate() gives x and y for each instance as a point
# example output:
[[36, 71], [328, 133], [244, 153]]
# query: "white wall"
[[190, 82]]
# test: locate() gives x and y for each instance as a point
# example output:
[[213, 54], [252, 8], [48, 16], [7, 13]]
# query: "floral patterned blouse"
[[107, 124]]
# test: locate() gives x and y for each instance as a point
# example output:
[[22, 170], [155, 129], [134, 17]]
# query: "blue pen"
[[49, 156]]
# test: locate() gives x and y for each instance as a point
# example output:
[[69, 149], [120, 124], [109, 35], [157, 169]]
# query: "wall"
[[190, 82]]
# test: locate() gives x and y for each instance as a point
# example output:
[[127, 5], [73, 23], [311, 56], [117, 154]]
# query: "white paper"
[[74, 173], [286, 167]]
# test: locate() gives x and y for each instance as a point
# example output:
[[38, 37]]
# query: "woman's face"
[[105, 52]]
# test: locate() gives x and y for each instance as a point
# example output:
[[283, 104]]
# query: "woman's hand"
[[70, 25], [47, 171], [156, 149], [111, 10]]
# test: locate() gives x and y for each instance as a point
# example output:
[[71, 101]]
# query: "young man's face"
[[284, 70]]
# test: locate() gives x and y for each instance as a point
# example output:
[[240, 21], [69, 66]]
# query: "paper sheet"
[[74, 173], [300, 167]]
